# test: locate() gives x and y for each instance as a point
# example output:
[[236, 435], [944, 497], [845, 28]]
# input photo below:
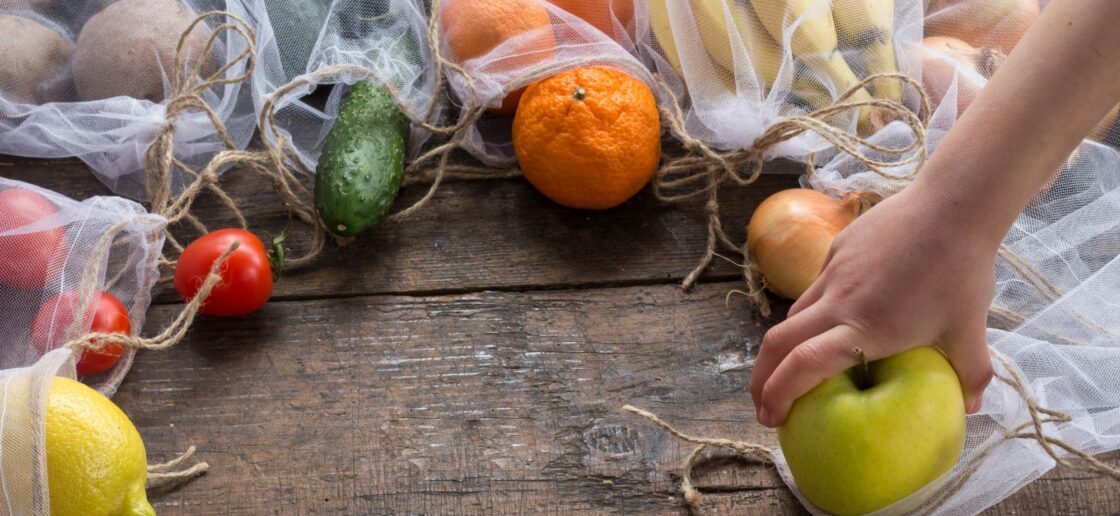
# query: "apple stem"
[[865, 379]]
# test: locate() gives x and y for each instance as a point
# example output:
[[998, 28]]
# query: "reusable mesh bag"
[[1053, 326], [304, 44], [738, 67], [23, 458], [500, 47], [102, 80], [56, 256]]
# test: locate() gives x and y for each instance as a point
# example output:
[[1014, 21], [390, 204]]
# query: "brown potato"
[[39, 6], [128, 48], [33, 61]]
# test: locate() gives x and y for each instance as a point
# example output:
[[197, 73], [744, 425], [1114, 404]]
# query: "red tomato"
[[246, 275], [25, 258], [50, 325]]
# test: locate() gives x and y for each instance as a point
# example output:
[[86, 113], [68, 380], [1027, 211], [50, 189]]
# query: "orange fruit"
[[473, 28], [598, 13], [588, 138]]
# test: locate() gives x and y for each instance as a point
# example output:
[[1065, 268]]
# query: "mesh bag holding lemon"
[[71, 270]]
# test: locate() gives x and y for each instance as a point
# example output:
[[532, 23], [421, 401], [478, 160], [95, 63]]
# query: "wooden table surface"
[[475, 360]]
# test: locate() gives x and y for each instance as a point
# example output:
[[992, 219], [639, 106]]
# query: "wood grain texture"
[[473, 236], [485, 403], [475, 360]]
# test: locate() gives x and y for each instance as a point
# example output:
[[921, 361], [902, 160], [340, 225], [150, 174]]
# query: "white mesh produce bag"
[[51, 248], [738, 67], [98, 80], [23, 443], [304, 44], [1054, 315], [504, 46], [1053, 324]]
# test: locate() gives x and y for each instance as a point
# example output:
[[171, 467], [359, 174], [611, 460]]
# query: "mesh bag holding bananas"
[[739, 66], [101, 80], [70, 268], [308, 43], [1053, 322]]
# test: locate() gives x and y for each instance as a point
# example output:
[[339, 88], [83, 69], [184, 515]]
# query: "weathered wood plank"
[[489, 402], [473, 236], [494, 402]]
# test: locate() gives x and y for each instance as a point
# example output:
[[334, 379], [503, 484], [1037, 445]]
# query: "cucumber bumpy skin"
[[360, 169]]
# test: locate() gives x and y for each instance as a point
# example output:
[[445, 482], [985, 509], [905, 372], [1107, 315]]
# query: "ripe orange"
[[598, 13], [588, 138], [475, 27]]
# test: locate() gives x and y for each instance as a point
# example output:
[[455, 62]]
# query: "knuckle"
[[773, 337], [808, 356]]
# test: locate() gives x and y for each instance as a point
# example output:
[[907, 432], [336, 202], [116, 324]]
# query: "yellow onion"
[[945, 59], [998, 24], [790, 233]]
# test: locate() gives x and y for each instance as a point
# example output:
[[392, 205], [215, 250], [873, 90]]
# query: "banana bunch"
[[662, 28], [761, 25], [869, 26], [712, 23]]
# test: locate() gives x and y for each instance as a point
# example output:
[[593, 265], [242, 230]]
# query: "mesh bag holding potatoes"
[[498, 48], [101, 80], [73, 268]]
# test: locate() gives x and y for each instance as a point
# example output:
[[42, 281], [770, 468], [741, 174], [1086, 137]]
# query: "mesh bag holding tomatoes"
[[101, 80], [1054, 318], [305, 44], [70, 268], [498, 48]]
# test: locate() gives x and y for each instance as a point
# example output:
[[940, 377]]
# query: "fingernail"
[[974, 407], [764, 417]]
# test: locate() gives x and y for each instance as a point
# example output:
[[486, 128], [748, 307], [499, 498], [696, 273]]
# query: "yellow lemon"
[[96, 464]]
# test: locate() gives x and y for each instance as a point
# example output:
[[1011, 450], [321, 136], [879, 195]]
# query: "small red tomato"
[[246, 275], [25, 257], [56, 315]]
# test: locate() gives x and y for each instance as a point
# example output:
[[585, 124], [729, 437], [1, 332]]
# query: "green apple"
[[877, 433]]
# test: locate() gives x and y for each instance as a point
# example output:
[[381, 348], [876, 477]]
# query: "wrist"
[[970, 224]]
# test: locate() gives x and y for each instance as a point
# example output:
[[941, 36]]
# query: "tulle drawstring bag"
[[134, 88]]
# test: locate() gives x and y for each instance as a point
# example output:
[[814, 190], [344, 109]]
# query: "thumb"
[[969, 354]]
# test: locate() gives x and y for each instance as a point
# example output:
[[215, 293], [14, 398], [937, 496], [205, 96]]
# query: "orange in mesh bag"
[[474, 28], [609, 16]]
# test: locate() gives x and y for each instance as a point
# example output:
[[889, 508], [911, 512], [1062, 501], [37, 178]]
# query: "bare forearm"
[[1062, 78]]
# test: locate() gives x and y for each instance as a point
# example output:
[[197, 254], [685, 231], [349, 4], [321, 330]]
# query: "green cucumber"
[[360, 169]]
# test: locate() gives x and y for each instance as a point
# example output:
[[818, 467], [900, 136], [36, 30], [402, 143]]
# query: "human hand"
[[907, 273]]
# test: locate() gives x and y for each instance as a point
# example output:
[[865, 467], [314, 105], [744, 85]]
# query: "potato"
[[128, 48], [33, 61], [39, 6]]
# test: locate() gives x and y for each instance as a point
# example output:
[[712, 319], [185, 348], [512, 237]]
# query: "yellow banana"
[[869, 26], [663, 31], [765, 53], [814, 41]]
